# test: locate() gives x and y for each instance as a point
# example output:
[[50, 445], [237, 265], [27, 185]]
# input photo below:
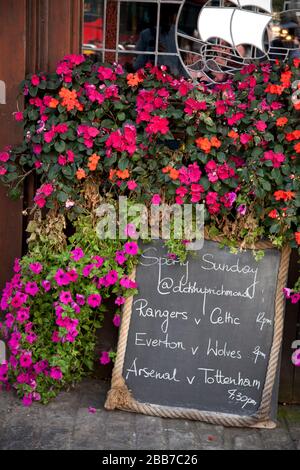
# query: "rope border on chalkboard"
[[121, 397]]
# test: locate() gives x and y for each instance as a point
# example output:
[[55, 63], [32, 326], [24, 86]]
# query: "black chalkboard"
[[201, 332]]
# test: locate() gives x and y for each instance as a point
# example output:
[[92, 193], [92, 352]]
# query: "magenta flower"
[[65, 297], [156, 199], [99, 261], [31, 338], [287, 292], [36, 268], [92, 410], [120, 257], [25, 360], [56, 373], [3, 373], [104, 358], [120, 301], [131, 248], [77, 254], [61, 278], [22, 315], [131, 185], [295, 358], [87, 270], [9, 320], [295, 298], [111, 277], [31, 288], [117, 320], [46, 285], [80, 299], [72, 274], [55, 337], [242, 209], [94, 300], [27, 399]]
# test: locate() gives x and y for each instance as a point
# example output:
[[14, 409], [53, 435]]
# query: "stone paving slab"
[[67, 424]]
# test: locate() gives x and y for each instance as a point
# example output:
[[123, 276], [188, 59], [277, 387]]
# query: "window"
[[167, 32]]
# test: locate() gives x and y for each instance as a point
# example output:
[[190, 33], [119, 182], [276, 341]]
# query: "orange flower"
[[284, 195], [286, 78], [53, 103], [133, 79], [297, 106], [80, 174], [122, 174], [233, 134], [174, 174], [281, 122], [93, 162], [166, 169], [273, 214], [69, 99], [275, 89], [204, 144], [297, 237], [297, 147], [215, 142], [112, 174]]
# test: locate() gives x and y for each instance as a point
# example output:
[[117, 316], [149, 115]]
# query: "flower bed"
[[93, 133]]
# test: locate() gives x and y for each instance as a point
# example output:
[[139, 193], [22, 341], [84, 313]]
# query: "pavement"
[[66, 424]]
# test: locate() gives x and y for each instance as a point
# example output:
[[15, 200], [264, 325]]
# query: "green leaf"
[[60, 146]]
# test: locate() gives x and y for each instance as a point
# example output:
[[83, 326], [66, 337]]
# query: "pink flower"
[[157, 125], [25, 360], [156, 199], [56, 373], [4, 157], [87, 270], [287, 292], [92, 410], [22, 315], [99, 261], [245, 138], [131, 185], [120, 301], [73, 275], [242, 209], [35, 80], [104, 358], [19, 116], [120, 257], [111, 277], [36, 268], [117, 321], [31, 288], [27, 399], [31, 338], [65, 297], [77, 254], [276, 158], [3, 373], [261, 126], [46, 285], [80, 299], [61, 278], [37, 149], [131, 248], [94, 300]]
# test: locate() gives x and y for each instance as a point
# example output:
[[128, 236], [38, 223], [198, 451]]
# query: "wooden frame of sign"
[[122, 398]]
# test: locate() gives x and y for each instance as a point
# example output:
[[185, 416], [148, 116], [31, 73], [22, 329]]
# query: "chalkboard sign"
[[202, 338]]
